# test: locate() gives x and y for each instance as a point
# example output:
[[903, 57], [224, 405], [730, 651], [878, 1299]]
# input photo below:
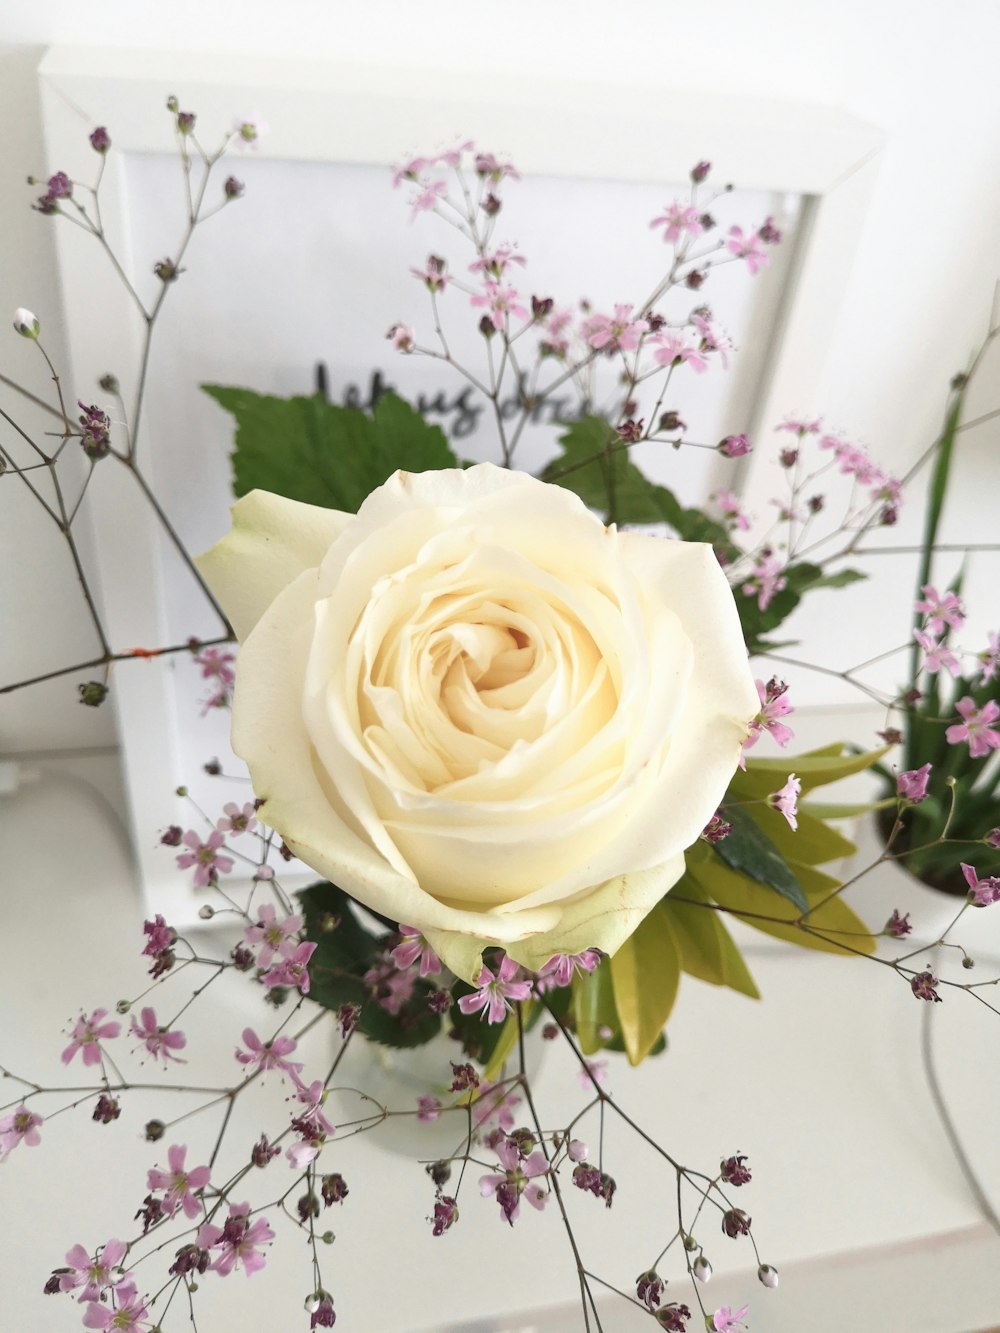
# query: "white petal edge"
[[271, 542]]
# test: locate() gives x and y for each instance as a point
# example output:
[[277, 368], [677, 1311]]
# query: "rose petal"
[[272, 540]]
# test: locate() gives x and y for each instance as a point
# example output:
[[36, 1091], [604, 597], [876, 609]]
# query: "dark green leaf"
[[310, 450], [748, 848]]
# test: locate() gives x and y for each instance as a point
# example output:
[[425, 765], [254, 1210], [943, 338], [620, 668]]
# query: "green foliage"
[[748, 848], [645, 975], [596, 466], [704, 945], [345, 950], [311, 450]]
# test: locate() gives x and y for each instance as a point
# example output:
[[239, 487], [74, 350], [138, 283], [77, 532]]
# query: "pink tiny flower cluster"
[[495, 990], [205, 856], [217, 666], [517, 1179], [774, 705], [21, 1126]]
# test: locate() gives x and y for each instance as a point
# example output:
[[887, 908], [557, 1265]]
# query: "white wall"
[[915, 306]]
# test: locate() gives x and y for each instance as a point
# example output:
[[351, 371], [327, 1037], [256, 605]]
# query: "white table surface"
[[855, 1197]]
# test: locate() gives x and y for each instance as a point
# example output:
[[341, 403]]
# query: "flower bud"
[[92, 693], [26, 323], [577, 1150], [702, 1269], [155, 1130], [206, 911], [109, 383], [100, 140], [767, 1275], [123, 1006]]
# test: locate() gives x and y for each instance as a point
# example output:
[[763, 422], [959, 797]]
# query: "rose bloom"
[[480, 711]]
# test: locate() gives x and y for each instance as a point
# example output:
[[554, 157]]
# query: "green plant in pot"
[[940, 813]]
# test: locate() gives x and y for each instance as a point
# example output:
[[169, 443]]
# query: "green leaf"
[[480, 1040], [748, 848], [812, 843], [704, 945], [342, 957], [842, 579], [825, 810], [595, 466], [310, 450], [814, 769], [776, 916], [594, 1008], [645, 974], [506, 1042]]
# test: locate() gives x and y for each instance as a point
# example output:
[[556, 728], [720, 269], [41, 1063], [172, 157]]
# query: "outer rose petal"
[[541, 843], [271, 541]]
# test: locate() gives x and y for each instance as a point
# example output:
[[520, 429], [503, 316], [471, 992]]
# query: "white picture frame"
[[326, 113]]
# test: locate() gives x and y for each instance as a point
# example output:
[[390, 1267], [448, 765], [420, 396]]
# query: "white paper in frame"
[[313, 265]]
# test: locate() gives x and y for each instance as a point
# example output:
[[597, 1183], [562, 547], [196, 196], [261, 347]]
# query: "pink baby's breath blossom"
[[128, 1316], [766, 581], [495, 991], [898, 926], [591, 1072], [515, 1180], [161, 936], [735, 446], [434, 274], [990, 659], [264, 1055], [561, 969], [427, 198], [976, 727], [87, 1035], [912, 785], [713, 339], [924, 986], [749, 248], [21, 1126], [237, 819], [678, 220], [428, 1108], [614, 333], [270, 933], [494, 1106], [291, 968], [727, 1320], [237, 1241], [982, 891], [402, 337], [158, 1040], [675, 347], [205, 857], [501, 302], [937, 655], [785, 801], [409, 171], [801, 427], [732, 511], [495, 262], [774, 706], [96, 1274], [412, 946], [215, 663], [941, 609], [179, 1183]]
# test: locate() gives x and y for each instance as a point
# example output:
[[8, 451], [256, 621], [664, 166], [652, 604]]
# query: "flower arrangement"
[[516, 725]]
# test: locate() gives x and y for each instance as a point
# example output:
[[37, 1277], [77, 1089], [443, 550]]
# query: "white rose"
[[480, 711]]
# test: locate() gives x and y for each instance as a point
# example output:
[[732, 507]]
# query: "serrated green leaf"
[[594, 1008], [595, 466], [704, 945], [748, 848], [645, 975], [311, 450]]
